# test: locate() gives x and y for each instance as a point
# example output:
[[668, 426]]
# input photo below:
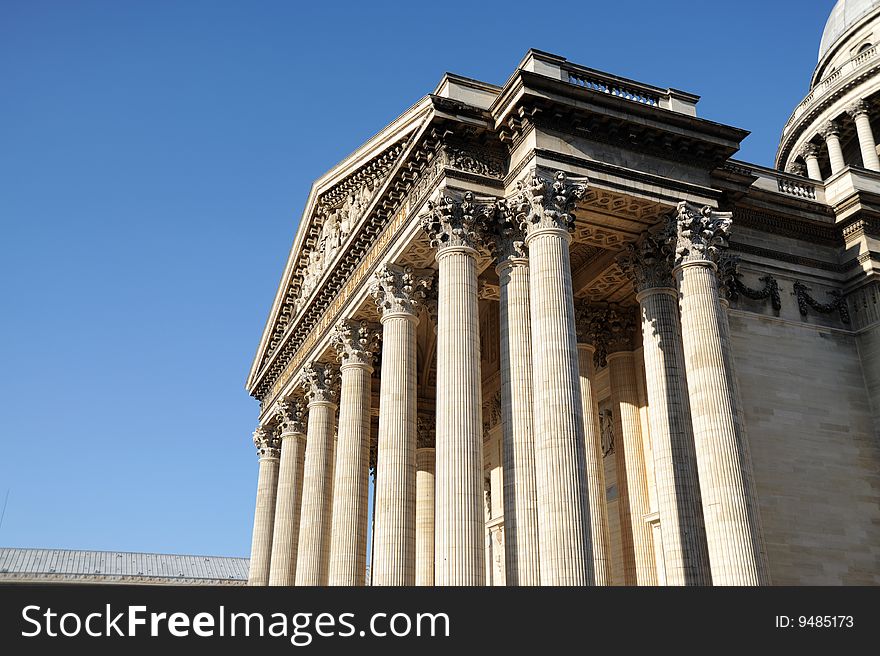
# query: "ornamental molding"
[[267, 443], [400, 289], [542, 202], [806, 302], [456, 220], [649, 262], [356, 342], [321, 383], [290, 417], [427, 161], [698, 234]]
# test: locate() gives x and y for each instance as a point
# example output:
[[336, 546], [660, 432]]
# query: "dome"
[[845, 14]]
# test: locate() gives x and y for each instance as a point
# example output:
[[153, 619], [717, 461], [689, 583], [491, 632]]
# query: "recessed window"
[[863, 47]]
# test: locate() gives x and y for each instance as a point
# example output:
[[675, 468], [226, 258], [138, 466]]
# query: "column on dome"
[[398, 292], [267, 443], [858, 111], [355, 343], [810, 153], [685, 553], [831, 134], [521, 550], [426, 429], [545, 207], [321, 383], [455, 224], [737, 554], [288, 502], [595, 466]]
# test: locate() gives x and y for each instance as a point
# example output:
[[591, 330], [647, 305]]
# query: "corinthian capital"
[[452, 222], [608, 328], [268, 444], [290, 417], [809, 150], [857, 108], [355, 342], [399, 289], [648, 262], [828, 129], [544, 203], [698, 235], [321, 383], [507, 235]]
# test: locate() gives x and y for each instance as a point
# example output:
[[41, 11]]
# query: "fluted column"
[[810, 153], [831, 133], [521, 550], [355, 343], [267, 444], [455, 227], [398, 292], [425, 501], [595, 467], [685, 552], [285, 537], [545, 207], [313, 554], [868, 145], [730, 507]]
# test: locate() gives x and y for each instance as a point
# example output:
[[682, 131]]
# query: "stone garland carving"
[[698, 234], [267, 443], [355, 342], [732, 286], [321, 383], [606, 432], [541, 203], [463, 223], [291, 417], [648, 262], [399, 289], [805, 301]]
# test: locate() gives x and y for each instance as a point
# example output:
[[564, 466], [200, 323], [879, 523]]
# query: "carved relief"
[[451, 222], [491, 413], [267, 442], [321, 383], [606, 431], [805, 301], [355, 342], [290, 417], [648, 262], [541, 203], [698, 234], [731, 285], [399, 289]]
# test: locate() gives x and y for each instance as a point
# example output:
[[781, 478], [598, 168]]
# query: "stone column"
[[425, 502], [313, 555], [285, 537], [685, 553], [355, 343], [613, 328], [593, 452], [859, 113], [521, 552], [730, 507], [398, 292], [831, 133], [545, 208], [455, 227], [810, 153], [267, 444]]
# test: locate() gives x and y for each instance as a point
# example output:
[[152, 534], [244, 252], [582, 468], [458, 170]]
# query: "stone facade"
[[610, 353]]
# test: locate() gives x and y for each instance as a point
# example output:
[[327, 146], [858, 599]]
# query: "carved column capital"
[[290, 417], [698, 235], [355, 342], [321, 383], [829, 129], [267, 442], [542, 203], [507, 235], [399, 289], [453, 222], [797, 168], [857, 108], [607, 328], [648, 262], [809, 150], [426, 431]]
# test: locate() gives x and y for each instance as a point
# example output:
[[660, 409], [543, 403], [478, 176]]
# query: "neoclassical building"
[[574, 341]]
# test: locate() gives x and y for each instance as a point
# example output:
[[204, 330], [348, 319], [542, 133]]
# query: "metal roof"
[[122, 566]]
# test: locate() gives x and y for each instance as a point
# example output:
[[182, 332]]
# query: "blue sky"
[[154, 161]]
